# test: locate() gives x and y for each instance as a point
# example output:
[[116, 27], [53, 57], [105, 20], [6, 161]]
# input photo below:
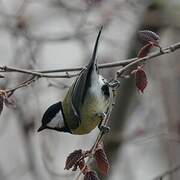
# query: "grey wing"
[[75, 99], [79, 90]]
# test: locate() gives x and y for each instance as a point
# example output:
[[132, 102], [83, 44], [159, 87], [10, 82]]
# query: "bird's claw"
[[114, 84], [104, 129]]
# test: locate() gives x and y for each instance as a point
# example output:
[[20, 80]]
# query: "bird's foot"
[[114, 83], [104, 129]]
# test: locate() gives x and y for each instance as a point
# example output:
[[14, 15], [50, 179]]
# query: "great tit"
[[85, 103]]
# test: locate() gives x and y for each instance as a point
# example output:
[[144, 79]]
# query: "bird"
[[85, 104]]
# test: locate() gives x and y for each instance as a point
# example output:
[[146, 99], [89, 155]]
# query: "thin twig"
[[35, 73], [23, 84]]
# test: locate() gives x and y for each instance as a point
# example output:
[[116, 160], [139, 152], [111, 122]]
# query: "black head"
[[54, 119]]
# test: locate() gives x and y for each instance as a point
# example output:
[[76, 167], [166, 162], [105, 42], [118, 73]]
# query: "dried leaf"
[[83, 167], [1, 102], [149, 36], [101, 160], [141, 79], [73, 158], [91, 175], [144, 50]]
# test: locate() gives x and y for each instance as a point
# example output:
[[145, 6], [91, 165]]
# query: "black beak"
[[41, 128]]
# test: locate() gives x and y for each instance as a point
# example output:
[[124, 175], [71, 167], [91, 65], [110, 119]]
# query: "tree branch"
[[35, 73], [163, 51], [23, 84], [125, 63], [100, 66]]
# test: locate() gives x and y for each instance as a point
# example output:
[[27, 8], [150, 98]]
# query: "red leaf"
[[144, 50], [149, 36], [84, 168], [73, 159], [101, 160], [141, 79], [91, 175]]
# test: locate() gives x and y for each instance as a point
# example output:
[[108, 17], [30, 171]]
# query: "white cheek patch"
[[97, 83], [57, 121]]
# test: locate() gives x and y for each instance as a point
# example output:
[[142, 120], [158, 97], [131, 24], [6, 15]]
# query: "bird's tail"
[[93, 60]]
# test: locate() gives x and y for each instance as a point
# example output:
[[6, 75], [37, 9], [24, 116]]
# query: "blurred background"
[[50, 34]]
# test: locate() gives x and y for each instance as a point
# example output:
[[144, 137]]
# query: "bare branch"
[[23, 84], [35, 73], [100, 66], [125, 63]]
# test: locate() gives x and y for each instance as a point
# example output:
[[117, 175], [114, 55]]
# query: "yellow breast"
[[89, 117]]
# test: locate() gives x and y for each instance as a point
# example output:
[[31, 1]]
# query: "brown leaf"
[[141, 79], [101, 160], [1, 102], [91, 175], [73, 158], [83, 167], [144, 50], [149, 36]]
